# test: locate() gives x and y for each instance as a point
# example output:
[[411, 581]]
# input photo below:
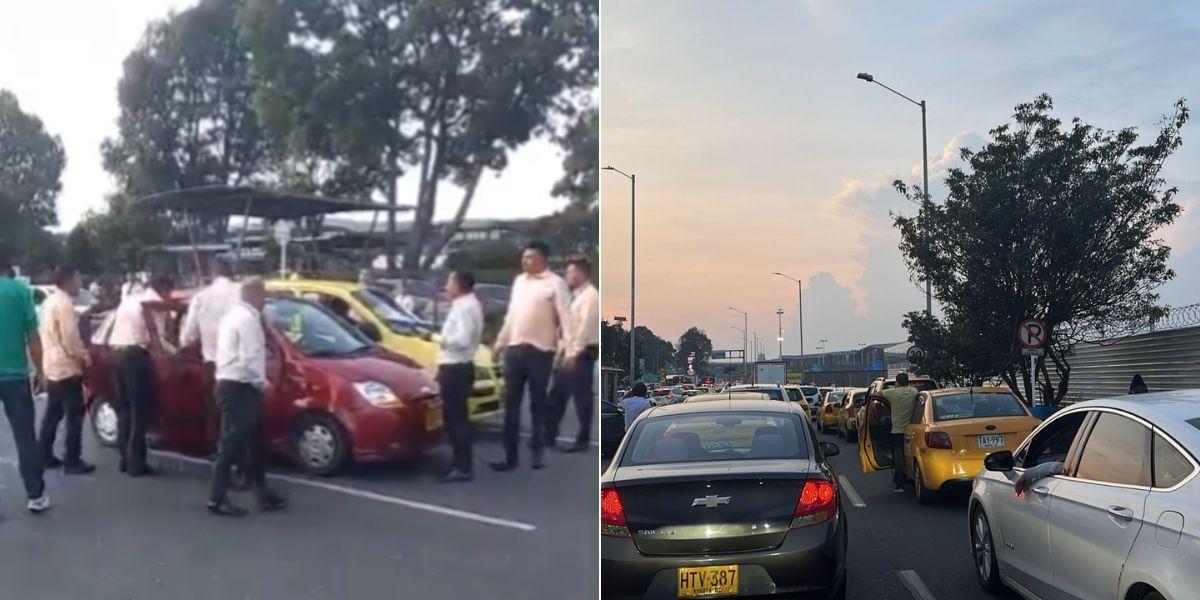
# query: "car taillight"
[[817, 504], [829, 409], [612, 516], [937, 439]]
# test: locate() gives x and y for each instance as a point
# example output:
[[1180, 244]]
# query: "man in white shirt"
[[456, 367], [130, 340], [205, 312], [241, 372], [580, 349], [536, 321]]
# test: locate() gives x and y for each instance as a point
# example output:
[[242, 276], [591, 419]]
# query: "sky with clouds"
[[757, 150], [62, 59]]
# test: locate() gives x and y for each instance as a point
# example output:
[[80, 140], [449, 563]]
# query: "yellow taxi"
[[831, 405], [950, 433], [395, 329], [796, 395]]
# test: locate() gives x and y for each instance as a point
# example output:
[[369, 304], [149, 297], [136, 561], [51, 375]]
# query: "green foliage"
[[614, 348], [119, 236], [1048, 220], [693, 340], [31, 164], [581, 166], [375, 88]]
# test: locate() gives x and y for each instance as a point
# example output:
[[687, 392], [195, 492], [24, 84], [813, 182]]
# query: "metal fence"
[[1168, 358]]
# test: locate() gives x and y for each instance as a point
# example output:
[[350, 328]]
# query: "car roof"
[[739, 396], [316, 284], [967, 390], [738, 406], [1157, 407]]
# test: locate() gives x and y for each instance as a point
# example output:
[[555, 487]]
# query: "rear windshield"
[[952, 407], [794, 395], [660, 392], [773, 392], [809, 391], [716, 436], [922, 385], [860, 398]]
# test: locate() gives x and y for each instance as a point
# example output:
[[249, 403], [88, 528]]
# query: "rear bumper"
[[944, 474], [810, 563]]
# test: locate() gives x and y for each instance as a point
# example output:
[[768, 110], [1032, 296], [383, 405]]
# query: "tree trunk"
[[435, 248]]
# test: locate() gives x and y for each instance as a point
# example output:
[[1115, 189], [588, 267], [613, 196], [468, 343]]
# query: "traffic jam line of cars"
[[730, 493]]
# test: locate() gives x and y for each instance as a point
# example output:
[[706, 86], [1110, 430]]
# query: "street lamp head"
[[610, 167], [866, 77]]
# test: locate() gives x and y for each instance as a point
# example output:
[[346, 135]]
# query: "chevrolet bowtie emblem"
[[710, 501]]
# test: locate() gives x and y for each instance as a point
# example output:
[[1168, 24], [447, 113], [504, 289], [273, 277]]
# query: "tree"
[[378, 88], [1050, 221], [187, 117], [693, 340], [31, 164], [614, 349], [951, 353], [581, 166]]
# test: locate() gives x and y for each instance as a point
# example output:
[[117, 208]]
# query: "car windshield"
[[794, 395], [716, 436], [315, 330], [835, 397], [952, 407], [397, 318]]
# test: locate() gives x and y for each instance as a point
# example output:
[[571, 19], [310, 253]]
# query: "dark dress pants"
[[18, 407], [64, 398], [456, 382], [135, 386], [525, 367], [898, 477], [573, 381], [243, 438]]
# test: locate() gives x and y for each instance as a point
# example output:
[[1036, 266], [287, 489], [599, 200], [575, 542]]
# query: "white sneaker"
[[39, 504]]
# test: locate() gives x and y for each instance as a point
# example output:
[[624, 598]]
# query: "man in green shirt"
[[18, 342], [902, 399]]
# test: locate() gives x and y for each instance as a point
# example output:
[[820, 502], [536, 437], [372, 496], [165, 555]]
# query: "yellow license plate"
[[433, 418], [708, 582]]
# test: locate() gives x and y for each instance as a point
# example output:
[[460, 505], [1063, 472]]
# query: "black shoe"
[[539, 459], [78, 467], [52, 462], [456, 476], [143, 471], [123, 467], [271, 501], [504, 465], [225, 508], [576, 447]]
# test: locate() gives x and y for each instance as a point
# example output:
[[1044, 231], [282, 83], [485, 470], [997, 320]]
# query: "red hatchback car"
[[334, 395]]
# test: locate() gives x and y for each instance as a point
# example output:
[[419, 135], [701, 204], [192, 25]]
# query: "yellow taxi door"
[[874, 436]]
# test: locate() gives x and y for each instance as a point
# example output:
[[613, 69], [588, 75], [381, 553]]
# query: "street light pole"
[[632, 264], [867, 77], [799, 312], [745, 340], [780, 313]]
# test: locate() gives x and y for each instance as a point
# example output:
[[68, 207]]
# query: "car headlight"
[[377, 394]]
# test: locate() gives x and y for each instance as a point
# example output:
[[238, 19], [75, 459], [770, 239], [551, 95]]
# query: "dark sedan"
[[717, 499]]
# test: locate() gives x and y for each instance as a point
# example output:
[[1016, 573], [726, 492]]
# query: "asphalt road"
[[898, 549], [374, 532]]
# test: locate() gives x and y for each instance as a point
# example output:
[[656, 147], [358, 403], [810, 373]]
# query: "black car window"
[[1116, 451], [1052, 442], [1170, 467], [918, 415], [716, 436], [860, 398], [609, 408]]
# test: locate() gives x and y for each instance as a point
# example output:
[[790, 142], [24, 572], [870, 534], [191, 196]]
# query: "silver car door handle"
[[1041, 490], [1120, 512]]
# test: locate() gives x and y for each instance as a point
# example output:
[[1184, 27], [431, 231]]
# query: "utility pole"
[[780, 313]]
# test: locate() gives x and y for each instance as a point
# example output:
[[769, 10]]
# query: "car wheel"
[[986, 570], [1153, 596], [319, 445], [104, 422], [924, 494]]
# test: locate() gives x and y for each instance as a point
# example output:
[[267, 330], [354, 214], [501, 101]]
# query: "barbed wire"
[[1176, 317]]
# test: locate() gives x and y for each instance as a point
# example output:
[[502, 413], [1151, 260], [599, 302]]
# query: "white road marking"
[[916, 587], [378, 497], [851, 493]]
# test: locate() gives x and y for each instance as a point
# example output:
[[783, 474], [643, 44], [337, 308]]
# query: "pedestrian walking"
[[130, 340], [635, 403], [575, 376], [456, 368], [903, 400], [1138, 385], [241, 363], [64, 358], [537, 318], [18, 343]]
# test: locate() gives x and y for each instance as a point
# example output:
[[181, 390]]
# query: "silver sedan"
[[1118, 515]]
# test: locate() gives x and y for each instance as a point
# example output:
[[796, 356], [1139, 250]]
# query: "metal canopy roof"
[[223, 200]]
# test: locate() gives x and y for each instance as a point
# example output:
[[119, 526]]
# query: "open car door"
[[180, 414], [874, 435]]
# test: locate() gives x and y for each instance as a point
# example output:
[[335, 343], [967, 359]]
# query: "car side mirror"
[[371, 331], [830, 449], [999, 461]]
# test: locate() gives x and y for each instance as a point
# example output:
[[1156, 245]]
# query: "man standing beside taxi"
[[64, 357], [456, 368], [537, 318], [18, 342], [902, 399], [204, 314], [241, 372], [581, 347]]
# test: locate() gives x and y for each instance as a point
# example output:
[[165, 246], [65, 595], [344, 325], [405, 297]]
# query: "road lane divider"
[[369, 495], [915, 585], [851, 493]]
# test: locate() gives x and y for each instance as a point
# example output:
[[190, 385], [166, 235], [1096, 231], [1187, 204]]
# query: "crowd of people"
[[547, 346]]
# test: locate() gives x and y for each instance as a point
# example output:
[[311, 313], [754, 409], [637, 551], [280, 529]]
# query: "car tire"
[[319, 445], [924, 494], [104, 422], [1153, 596], [984, 553]]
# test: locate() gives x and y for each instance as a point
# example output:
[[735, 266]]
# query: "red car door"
[[179, 418]]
